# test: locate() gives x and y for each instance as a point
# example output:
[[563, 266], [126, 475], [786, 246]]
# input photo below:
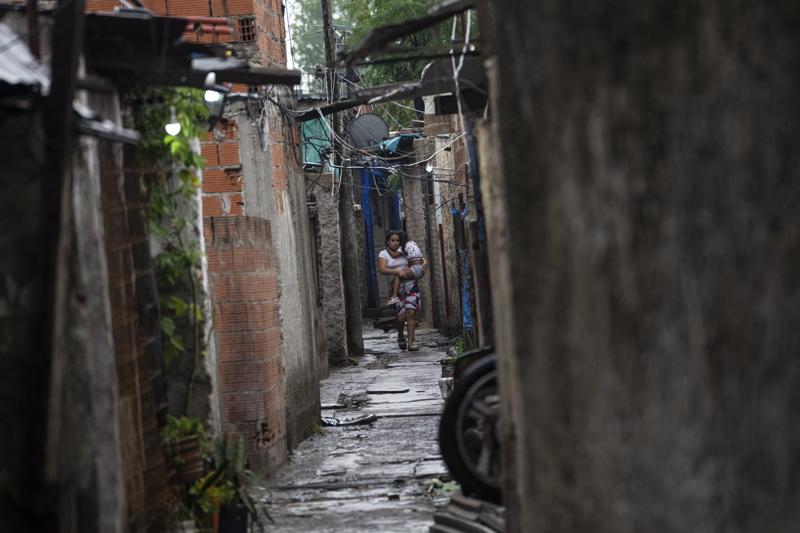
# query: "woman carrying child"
[[403, 259]]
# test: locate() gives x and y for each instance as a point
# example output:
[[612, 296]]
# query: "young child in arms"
[[416, 263]]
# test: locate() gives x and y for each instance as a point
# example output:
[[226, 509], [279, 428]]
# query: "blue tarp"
[[396, 222], [391, 144], [369, 177], [314, 139]]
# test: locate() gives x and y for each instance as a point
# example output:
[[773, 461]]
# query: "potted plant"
[[240, 508], [184, 442]]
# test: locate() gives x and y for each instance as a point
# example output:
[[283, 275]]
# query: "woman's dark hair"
[[403, 238]]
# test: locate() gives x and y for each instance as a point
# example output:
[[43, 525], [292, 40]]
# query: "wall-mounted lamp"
[[215, 99], [173, 127]]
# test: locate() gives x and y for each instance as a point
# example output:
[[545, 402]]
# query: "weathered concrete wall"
[[446, 196], [67, 443], [645, 275], [87, 441], [330, 272], [275, 190], [361, 240], [415, 204]]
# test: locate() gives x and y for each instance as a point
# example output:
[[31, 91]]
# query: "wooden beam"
[[67, 42]]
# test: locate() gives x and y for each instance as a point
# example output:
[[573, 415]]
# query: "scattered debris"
[[382, 361], [436, 485], [332, 406], [469, 514], [349, 421], [353, 399], [446, 387], [387, 391]]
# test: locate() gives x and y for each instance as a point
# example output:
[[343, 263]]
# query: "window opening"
[[247, 29]]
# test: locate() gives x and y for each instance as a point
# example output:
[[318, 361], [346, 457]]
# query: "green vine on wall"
[[173, 162]]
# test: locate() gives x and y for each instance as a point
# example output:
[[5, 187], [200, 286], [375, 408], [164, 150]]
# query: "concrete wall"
[[645, 275], [330, 270], [446, 196], [284, 204], [415, 199], [60, 401]]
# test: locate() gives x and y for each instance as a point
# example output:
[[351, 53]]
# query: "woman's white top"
[[396, 262]]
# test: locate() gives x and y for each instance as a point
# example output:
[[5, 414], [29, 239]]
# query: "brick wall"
[[135, 319], [222, 174], [271, 35], [248, 336]]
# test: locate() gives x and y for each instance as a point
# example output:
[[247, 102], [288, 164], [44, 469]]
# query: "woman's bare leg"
[[400, 319], [411, 324]]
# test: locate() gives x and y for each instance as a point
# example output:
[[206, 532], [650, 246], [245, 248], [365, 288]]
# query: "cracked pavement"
[[377, 476]]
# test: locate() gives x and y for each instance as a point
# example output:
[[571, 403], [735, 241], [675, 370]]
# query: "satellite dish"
[[368, 130]]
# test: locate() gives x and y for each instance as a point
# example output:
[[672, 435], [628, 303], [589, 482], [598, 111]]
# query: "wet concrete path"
[[374, 477]]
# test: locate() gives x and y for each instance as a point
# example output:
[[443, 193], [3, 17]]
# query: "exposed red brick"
[[236, 204], [245, 316], [249, 345], [212, 206], [248, 335], [227, 8], [221, 181], [277, 152], [210, 154], [229, 153], [178, 8], [260, 286], [100, 5]]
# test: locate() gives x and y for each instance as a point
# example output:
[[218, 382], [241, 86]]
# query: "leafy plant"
[[455, 352], [173, 162], [229, 463], [177, 429], [447, 488], [394, 182]]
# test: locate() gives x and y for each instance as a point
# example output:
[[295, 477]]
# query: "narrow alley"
[[379, 476], [217, 215]]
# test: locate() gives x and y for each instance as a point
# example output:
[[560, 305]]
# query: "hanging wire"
[[457, 68]]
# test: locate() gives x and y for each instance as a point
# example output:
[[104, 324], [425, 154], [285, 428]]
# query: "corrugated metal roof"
[[17, 64]]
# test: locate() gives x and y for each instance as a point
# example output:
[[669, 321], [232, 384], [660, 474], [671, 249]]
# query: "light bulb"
[[428, 168], [173, 127], [212, 96]]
